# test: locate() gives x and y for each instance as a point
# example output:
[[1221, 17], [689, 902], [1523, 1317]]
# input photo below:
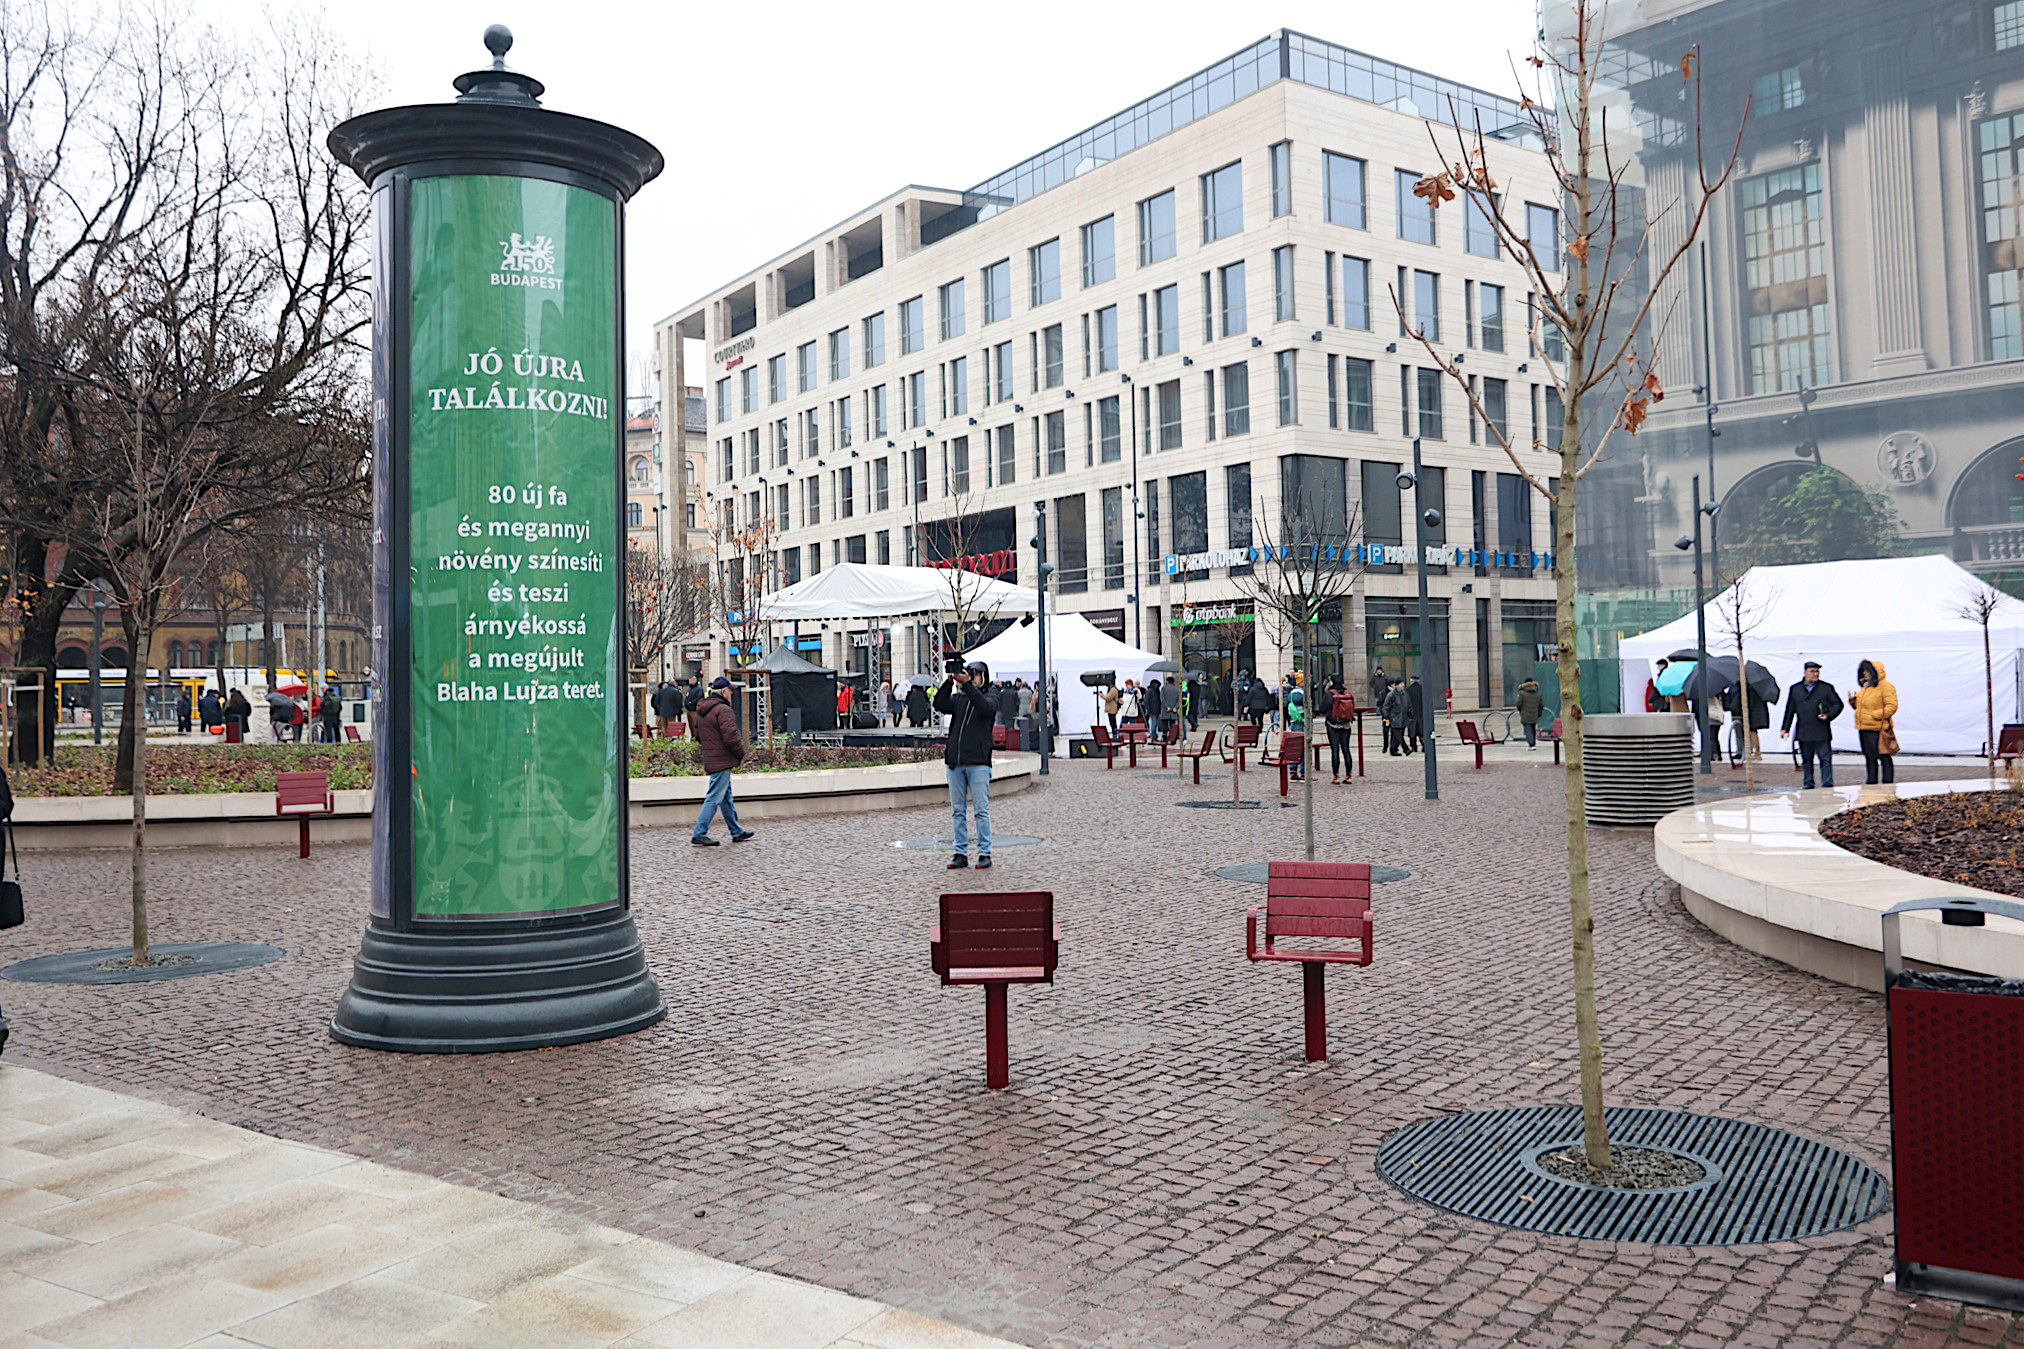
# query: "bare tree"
[[739, 578], [1979, 606], [1598, 306], [1740, 611], [663, 599], [1309, 560], [971, 608]]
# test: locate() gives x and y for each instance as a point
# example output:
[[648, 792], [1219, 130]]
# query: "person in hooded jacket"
[[917, 705], [1876, 705], [1758, 720], [1530, 702], [723, 748], [966, 700]]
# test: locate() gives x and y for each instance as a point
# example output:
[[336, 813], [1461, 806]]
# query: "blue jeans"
[[967, 787], [716, 799], [1808, 751]]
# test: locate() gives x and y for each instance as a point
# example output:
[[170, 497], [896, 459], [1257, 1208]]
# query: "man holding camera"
[[966, 699]]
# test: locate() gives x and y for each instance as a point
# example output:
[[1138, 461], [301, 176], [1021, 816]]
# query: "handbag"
[[11, 914], [1886, 740]]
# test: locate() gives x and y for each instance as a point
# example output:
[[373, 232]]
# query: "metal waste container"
[[1638, 766], [1957, 1118]]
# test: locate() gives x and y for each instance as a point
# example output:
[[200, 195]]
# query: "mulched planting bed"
[[1630, 1169], [1968, 838]]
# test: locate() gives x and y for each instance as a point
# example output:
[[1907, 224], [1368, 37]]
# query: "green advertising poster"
[[517, 694]]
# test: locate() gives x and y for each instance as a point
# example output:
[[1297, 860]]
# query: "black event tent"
[[800, 683]]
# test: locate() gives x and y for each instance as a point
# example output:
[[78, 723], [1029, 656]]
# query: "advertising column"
[[500, 918]]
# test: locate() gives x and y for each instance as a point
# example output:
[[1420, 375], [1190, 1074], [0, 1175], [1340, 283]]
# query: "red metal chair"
[[1553, 738], [1167, 741], [1101, 735], [1247, 739], [304, 795], [1292, 751], [1329, 900], [2010, 743], [995, 938], [351, 734], [1208, 747], [1469, 735]]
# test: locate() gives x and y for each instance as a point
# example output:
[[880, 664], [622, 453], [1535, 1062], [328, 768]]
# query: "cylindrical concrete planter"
[[1637, 766]]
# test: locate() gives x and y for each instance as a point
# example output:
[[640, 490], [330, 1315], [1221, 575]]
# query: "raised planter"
[[1756, 870], [247, 819]]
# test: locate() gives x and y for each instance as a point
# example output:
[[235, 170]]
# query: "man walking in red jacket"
[[723, 748]]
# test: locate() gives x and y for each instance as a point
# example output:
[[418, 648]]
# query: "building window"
[[1156, 228], [916, 386], [1430, 404], [776, 378], [1356, 293], [1002, 358], [1358, 411], [875, 334], [752, 450], [1282, 283], [1099, 251], [1237, 399], [1556, 414], [885, 547], [1415, 214], [689, 511], [1113, 537], [1106, 338], [959, 464], [1230, 291], [839, 354], [1492, 300], [952, 310], [724, 399], [959, 386], [728, 449], [635, 516], [1008, 455], [1542, 231], [1784, 90], [1282, 179], [812, 511], [878, 410], [1222, 202], [1289, 387], [1343, 179], [1479, 236], [1237, 497], [998, 291], [1427, 304], [845, 423], [1496, 410], [748, 389], [2001, 141], [2010, 25], [805, 356], [1167, 320], [1785, 273], [1170, 415], [846, 496], [1050, 356], [1188, 499], [881, 489], [1056, 426], [1044, 265], [1109, 430], [1151, 498]]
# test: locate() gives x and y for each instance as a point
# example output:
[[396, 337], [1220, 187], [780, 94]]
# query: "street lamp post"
[[1041, 699], [1423, 521], [1683, 543]]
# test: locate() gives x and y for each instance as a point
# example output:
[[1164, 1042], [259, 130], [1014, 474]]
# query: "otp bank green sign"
[[517, 696]]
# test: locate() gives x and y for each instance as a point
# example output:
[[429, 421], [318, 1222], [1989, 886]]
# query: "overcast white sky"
[[777, 120]]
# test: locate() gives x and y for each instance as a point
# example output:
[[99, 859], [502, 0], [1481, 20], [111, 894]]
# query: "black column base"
[[478, 991]]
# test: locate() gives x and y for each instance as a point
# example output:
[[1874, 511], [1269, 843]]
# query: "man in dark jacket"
[[667, 703], [692, 698], [1380, 685], [211, 709], [1416, 714], [1530, 702], [723, 749], [966, 699], [1811, 706], [1397, 711], [330, 711]]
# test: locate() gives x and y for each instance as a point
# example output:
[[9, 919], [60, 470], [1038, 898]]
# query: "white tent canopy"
[[860, 590], [1074, 647], [1902, 613]]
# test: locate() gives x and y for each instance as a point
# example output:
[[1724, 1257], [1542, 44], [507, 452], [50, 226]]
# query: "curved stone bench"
[[247, 819], [1756, 870]]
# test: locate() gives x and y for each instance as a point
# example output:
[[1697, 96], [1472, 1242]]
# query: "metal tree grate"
[[1762, 1184]]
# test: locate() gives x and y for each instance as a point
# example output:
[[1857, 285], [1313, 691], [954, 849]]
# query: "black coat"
[[1760, 712], [917, 705], [1813, 709], [667, 701], [211, 709], [1416, 700], [971, 715]]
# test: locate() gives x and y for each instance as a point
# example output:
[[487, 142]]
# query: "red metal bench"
[[2010, 743], [1207, 747], [1553, 738], [995, 938], [303, 795], [1329, 900], [1469, 735], [351, 734], [1292, 751]]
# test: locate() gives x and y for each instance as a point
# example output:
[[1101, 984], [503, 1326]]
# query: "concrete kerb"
[[247, 819]]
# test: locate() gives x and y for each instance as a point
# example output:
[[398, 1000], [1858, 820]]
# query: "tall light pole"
[[1683, 543], [1422, 522], [1137, 581], [1041, 699]]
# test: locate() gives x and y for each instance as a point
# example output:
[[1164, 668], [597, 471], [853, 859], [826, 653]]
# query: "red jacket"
[[717, 735]]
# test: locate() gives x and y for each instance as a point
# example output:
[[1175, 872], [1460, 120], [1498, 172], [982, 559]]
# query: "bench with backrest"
[[1247, 740], [996, 938], [304, 795], [1166, 741], [1290, 754], [1469, 735], [1326, 901], [351, 734], [1110, 745], [2010, 743], [1554, 738], [1197, 754]]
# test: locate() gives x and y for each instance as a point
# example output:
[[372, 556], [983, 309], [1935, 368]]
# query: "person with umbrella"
[[1759, 687]]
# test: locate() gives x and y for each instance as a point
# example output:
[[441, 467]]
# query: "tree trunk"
[[133, 701], [267, 635], [1743, 698], [1587, 1024], [1989, 694], [134, 747], [41, 623]]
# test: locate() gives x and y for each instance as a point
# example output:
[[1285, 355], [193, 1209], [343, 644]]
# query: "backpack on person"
[[1342, 707]]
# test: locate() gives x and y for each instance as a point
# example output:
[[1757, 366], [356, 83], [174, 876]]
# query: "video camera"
[[953, 664]]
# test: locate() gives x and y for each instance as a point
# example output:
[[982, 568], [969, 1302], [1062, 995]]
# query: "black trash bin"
[[1957, 1118]]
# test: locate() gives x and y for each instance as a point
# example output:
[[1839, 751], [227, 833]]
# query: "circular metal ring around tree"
[[190, 959]]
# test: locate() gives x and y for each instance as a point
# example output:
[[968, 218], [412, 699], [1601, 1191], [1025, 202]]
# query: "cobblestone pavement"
[[1164, 1169]]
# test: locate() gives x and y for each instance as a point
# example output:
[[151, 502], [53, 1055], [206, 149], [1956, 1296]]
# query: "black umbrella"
[[1763, 683], [1688, 653], [1163, 667]]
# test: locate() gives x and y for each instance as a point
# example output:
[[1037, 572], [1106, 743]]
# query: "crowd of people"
[[1811, 708], [289, 716]]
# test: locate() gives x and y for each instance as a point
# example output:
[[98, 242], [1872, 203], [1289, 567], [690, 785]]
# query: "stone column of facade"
[[1674, 313], [1894, 264]]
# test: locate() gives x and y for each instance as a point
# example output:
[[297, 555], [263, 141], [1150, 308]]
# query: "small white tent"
[[1074, 646], [1902, 613], [858, 590]]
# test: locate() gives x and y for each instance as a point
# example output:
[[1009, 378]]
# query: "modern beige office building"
[[1161, 330]]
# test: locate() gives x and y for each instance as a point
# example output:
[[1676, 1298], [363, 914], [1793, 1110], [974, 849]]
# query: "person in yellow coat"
[[1876, 704]]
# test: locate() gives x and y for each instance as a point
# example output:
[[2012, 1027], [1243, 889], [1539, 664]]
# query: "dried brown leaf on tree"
[[1687, 63], [1434, 189], [1579, 248], [1537, 63], [1651, 386], [1634, 414]]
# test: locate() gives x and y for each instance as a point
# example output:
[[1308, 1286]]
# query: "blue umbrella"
[[1672, 681]]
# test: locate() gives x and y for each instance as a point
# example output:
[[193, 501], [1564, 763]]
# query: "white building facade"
[[1158, 332]]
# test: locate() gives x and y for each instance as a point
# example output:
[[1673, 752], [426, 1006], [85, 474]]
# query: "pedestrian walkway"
[[130, 1225]]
